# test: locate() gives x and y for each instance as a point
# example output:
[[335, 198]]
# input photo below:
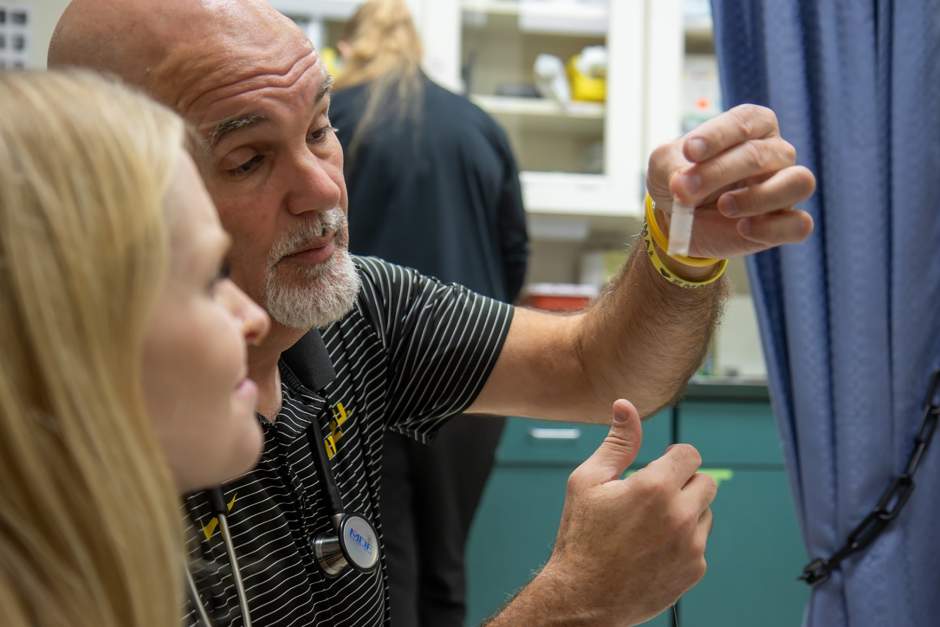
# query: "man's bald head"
[[177, 50], [248, 80]]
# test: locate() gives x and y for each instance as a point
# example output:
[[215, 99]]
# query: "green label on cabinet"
[[718, 474]]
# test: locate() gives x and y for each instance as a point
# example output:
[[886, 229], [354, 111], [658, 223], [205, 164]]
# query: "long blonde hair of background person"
[[90, 533], [385, 51]]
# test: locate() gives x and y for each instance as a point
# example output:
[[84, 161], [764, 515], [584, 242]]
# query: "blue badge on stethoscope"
[[354, 545]]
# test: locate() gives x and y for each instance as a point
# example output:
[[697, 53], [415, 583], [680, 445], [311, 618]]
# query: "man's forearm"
[[546, 602], [644, 337]]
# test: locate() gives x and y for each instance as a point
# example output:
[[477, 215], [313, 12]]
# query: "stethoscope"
[[353, 543]]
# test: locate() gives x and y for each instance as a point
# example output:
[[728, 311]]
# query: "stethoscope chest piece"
[[356, 545]]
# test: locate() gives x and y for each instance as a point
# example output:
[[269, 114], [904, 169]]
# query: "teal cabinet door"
[[731, 433], [517, 521], [512, 535], [754, 553], [540, 442], [754, 556]]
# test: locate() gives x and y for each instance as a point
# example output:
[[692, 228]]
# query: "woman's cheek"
[[229, 351]]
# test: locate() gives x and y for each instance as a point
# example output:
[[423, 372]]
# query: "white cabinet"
[[579, 158], [586, 158]]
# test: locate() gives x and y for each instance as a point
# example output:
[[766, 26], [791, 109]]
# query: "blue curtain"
[[850, 320]]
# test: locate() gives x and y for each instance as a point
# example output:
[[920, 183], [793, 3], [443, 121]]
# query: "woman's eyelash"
[[224, 271]]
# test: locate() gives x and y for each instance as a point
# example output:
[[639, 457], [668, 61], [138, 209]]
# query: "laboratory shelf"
[[558, 18], [699, 36], [491, 7], [545, 116], [574, 194], [540, 107], [339, 10]]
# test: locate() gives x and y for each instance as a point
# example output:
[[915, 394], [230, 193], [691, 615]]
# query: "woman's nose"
[[255, 321]]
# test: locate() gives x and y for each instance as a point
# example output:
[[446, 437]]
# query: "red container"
[[558, 296]]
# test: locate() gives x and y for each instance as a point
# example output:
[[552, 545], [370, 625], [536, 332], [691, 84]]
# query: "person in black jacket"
[[433, 185]]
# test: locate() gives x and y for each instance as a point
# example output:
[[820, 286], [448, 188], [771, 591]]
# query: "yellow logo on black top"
[[210, 528], [336, 430]]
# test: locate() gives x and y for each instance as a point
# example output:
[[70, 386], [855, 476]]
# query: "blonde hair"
[[386, 52], [90, 533]]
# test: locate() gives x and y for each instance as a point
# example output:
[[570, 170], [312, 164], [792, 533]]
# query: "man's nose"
[[316, 183]]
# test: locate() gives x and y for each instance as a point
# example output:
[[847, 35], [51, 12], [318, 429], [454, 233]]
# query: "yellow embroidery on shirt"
[[210, 528], [336, 431]]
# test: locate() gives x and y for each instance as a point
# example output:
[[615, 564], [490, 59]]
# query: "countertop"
[[726, 388]]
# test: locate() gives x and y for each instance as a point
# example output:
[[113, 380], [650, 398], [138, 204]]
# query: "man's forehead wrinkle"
[[247, 38], [252, 77]]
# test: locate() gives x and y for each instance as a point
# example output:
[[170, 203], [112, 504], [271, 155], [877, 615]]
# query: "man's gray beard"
[[308, 297]]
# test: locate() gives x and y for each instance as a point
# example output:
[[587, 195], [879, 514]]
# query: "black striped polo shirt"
[[412, 353]]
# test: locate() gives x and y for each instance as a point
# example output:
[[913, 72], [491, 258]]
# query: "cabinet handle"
[[555, 434]]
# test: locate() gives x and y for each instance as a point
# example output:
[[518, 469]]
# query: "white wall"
[[737, 345], [45, 14]]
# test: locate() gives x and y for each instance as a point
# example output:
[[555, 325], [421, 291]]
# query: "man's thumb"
[[619, 448]]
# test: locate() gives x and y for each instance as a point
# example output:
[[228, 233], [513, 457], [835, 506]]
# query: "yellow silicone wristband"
[[667, 274], [663, 243]]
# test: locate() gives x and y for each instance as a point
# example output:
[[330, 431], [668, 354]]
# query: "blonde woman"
[[433, 185], [122, 354]]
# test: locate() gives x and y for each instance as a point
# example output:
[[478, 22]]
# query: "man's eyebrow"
[[226, 127], [327, 86]]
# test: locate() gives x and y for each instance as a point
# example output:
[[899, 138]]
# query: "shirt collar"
[[309, 360]]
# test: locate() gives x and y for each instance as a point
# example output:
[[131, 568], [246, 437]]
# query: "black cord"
[[217, 501], [324, 472]]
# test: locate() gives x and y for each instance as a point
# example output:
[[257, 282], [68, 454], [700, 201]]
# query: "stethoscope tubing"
[[236, 572], [196, 600], [217, 503]]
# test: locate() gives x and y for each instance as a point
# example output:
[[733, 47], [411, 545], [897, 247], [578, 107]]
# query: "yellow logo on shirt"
[[210, 528], [336, 430]]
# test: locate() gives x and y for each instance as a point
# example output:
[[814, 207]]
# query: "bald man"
[[359, 345]]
